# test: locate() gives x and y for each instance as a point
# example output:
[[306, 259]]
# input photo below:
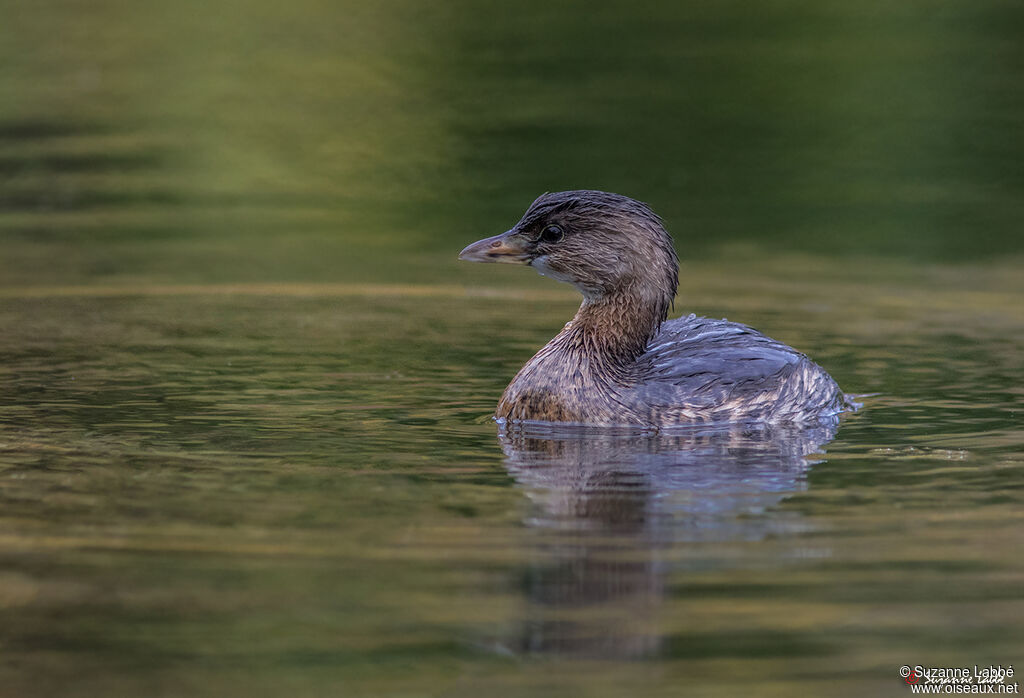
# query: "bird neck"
[[617, 327]]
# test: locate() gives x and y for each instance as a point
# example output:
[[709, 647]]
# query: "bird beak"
[[506, 248]]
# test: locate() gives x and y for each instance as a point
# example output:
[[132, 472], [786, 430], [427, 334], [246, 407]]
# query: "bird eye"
[[552, 233]]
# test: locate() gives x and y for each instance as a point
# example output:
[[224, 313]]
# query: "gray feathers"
[[729, 371]]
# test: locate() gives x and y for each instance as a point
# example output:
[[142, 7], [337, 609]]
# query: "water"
[[245, 386]]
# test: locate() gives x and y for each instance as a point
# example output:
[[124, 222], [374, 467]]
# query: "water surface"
[[245, 388]]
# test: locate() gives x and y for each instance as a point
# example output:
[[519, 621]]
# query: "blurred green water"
[[318, 141], [244, 385]]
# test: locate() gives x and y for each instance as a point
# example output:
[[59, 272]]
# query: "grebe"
[[618, 362]]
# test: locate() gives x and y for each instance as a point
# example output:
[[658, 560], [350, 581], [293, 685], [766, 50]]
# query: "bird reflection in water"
[[608, 505]]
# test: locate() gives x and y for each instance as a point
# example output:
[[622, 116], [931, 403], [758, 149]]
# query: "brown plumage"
[[618, 361]]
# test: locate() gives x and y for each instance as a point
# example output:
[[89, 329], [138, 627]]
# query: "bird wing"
[[706, 363]]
